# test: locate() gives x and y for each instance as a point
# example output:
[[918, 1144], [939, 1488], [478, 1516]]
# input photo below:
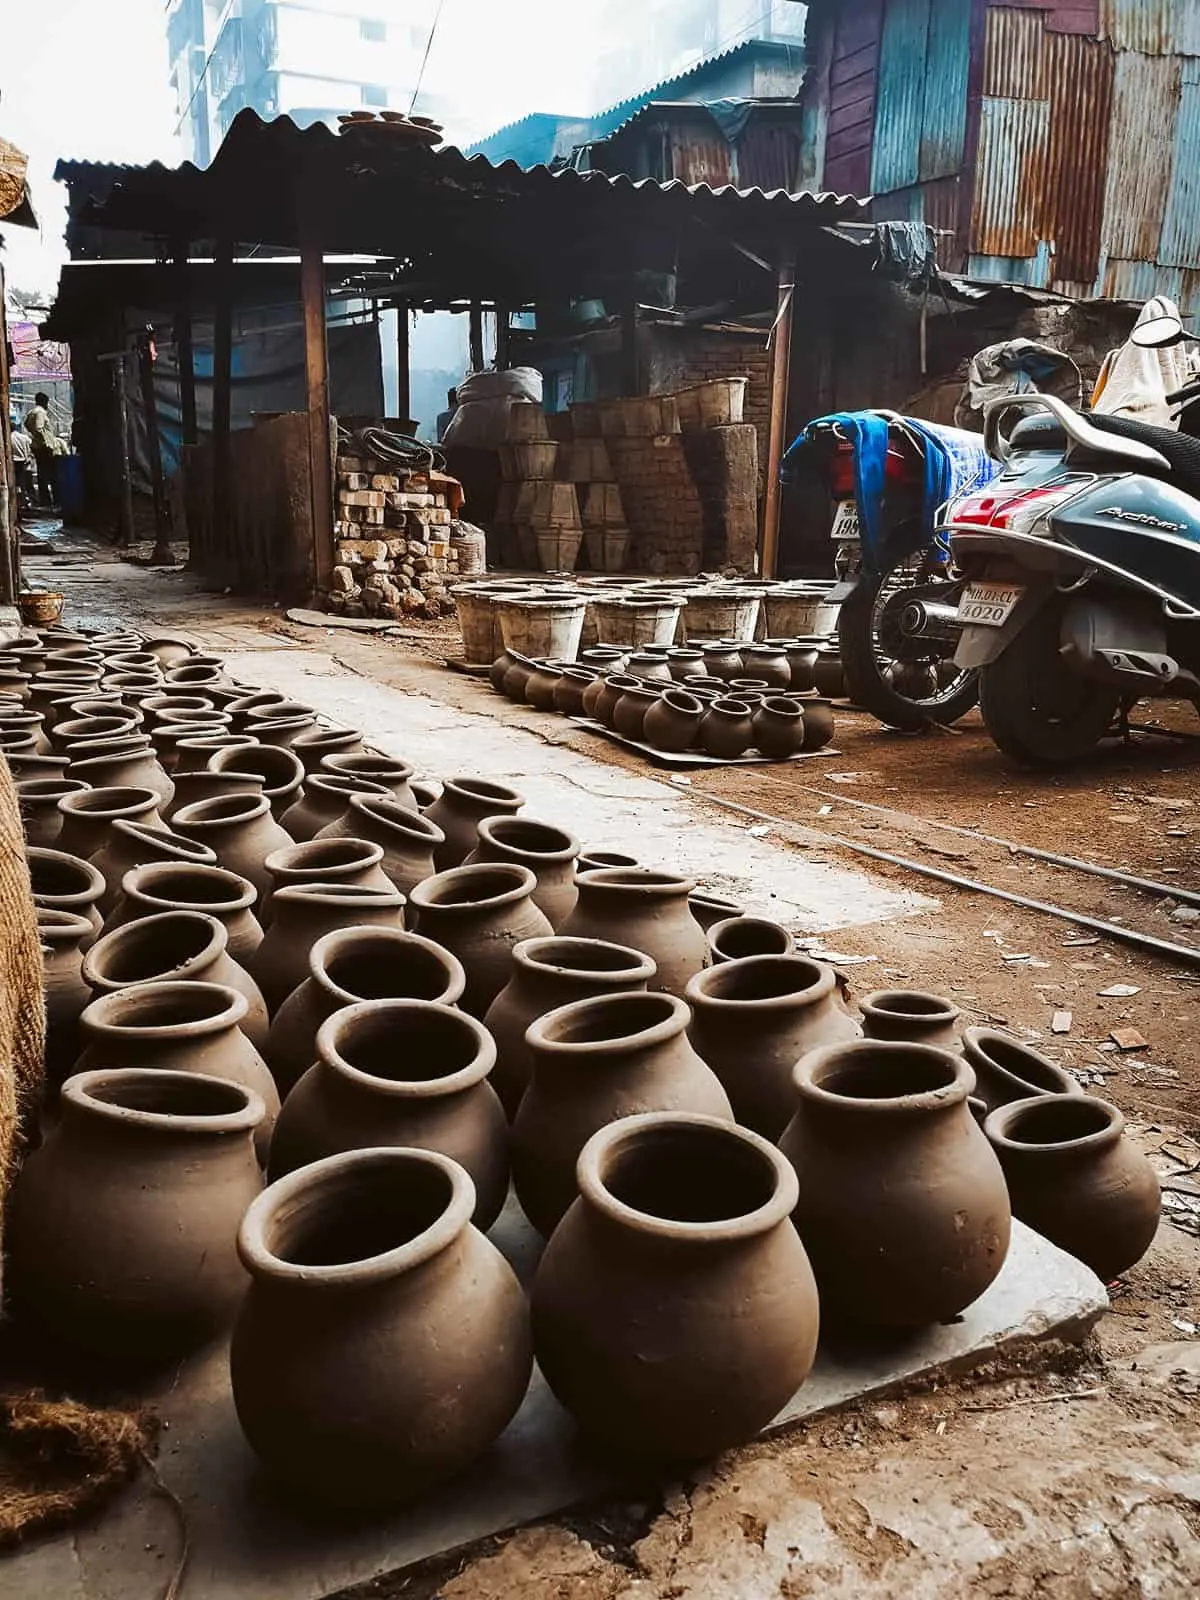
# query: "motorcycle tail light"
[[841, 472], [1026, 512]]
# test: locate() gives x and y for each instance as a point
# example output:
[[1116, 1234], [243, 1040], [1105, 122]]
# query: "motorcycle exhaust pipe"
[[930, 619]]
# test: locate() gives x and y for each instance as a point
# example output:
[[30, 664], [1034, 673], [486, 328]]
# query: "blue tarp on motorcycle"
[[955, 463]]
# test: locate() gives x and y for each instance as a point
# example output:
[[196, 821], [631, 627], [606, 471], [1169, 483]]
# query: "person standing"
[[22, 450], [45, 446]]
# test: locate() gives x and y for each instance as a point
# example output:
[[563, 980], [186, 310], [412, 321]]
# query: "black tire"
[[1035, 710], [863, 668]]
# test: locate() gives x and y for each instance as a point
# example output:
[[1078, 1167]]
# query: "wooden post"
[[161, 554], [781, 360], [630, 375], [476, 336], [125, 505], [403, 362], [316, 372], [222, 409], [184, 355], [503, 342]]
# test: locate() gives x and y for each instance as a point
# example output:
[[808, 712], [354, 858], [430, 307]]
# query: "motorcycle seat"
[[1180, 449]]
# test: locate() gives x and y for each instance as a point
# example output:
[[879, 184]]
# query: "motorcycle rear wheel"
[[866, 665]]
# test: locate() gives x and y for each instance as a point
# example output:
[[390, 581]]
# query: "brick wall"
[[689, 499], [674, 357]]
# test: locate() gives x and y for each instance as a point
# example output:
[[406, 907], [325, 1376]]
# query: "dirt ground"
[[1077, 1476]]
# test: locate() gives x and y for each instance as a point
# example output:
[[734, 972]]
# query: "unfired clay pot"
[[673, 722], [674, 1309], [709, 909], [162, 886], [458, 811], [735, 938], [62, 935], [316, 743], [910, 1016], [179, 1027], [1074, 1178], [594, 1061], [282, 773], [240, 831], [818, 721], [41, 820], [193, 755], [349, 965], [769, 663], [135, 766], [726, 729], [568, 691], [134, 844], [204, 785], [324, 800], [479, 914], [123, 1225], [596, 860], [903, 1207], [647, 911], [394, 774], [546, 974], [407, 1073], [606, 699], [63, 882], [384, 1343], [408, 839], [550, 854], [778, 725], [302, 914], [753, 1019], [323, 861], [87, 816], [1007, 1070], [629, 713]]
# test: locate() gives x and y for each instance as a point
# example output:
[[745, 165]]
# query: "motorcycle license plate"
[[988, 605], [845, 523]]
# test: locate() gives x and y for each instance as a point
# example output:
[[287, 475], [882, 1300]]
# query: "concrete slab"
[[246, 1540]]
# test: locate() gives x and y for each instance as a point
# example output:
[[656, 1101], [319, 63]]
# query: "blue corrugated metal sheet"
[[1180, 245], [1153, 27], [1010, 174], [900, 102], [947, 67]]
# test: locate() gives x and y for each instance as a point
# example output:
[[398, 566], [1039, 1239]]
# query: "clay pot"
[[549, 853], [313, 745], [735, 938], [204, 785], [324, 800], [41, 820], [911, 1017], [604, 702], [324, 861], [828, 677], [685, 664], [240, 831], [726, 729], [168, 651], [753, 1019], [629, 715], [75, 730], [302, 913], [818, 722], [674, 1310], [168, 737], [593, 1062], [393, 774], [28, 764], [591, 697], [540, 686], [175, 947], [244, 709], [778, 725], [136, 766], [194, 674], [123, 1223], [133, 844], [647, 911], [87, 816], [193, 755], [722, 660], [62, 935], [281, 731], [179, 1027], [597, 860], [768, 663], [520, 670], [281, 772], [604, 657], [498, 669], [384, 1343], [709, 909], [548, 973], [63, 882], [156, 705], [479, 913], [162, 886], [568, 691], [902, 1207], [673, 722], [1074, 1178], [406, 838], [27, 722], [349, 965], [1007, 1070], [458, 811]]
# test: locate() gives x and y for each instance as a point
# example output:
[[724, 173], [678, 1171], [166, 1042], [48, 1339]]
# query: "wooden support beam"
[[222, 403], [124, 471], [316, 373], [781, 361], [161, 555], [503, 341], [403, 361], [184, 353], [475, 336], [630, 372]]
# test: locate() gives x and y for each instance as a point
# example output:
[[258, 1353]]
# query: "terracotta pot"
[[595, 1061], [499, 668], [194, 675], [709, 909], [597, 860], [606, 700], [349, 965], [768, 662], [1007, 1070], [647, 911], [155, 705], [41, 820], [674, 1310], [27, 722], [548, 973], [74, 730], [163, 886], [302, 914], [63, 882], [123, 1223], [458, 811], [902, 1207], [604, 657], [324, 861], [324, 801], [193, 755], [168, 651], [281, 731], [911, 1017], [204, 785], [88, 815], [828, 677], [722, 660], [240, 831], [393, 774], [735, 938], [568, 691], [673, 722], [479, 913], [313, 745], [540, 686], [168, 736], [133, 844], [62, 935], [384, 1343], [818, 721], [549, 853], [179, 1027], [629, 713], [282, 773], [407, 839], [778, 725], [136, 766], [243, 710], [28, 764], [175, 947], [591, 697], [685, 664], [1074, 1178], [520, 670], [726, 729]]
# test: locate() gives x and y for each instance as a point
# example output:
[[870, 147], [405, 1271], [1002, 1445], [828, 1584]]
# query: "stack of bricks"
[[394, 555]]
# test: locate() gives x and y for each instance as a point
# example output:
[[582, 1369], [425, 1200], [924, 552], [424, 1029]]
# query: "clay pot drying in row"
[[735, 938], [909, 1016], [460, 808], [642, 910], [320, 862], [302, 913], [1006, 1069], [192, 787], [87, 815], [41, 820], [241, 832], [194, 753], [324, 800], [281, 772], [163, 886], [550, 854], [406, 838], [133, 844], [63, 935], [394, 774], [479, 913], [315, 743], [63, 882]]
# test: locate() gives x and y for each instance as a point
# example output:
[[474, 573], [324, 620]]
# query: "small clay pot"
[[520, 670], [597, 860], [479, 913], [349, 965], [458, 811], [595, 1061], [26, 722], [604, 657], [903, 1207], [591, 696], [722, 660], [605, 702], [193, 755], [316, 743], [674, 1310], [163, 886], [828, 676], [325, 799], [133, 766], [753, 1019], [1074, 1178], [685, 664], [133, 844], [63, 882], [62, 935], [778, 725], [1007, 1070], [281, 772], [735, 938], [122, 1225], [395, 775], [673, 721], [498, 669], [282, 731], [88, 814], [726, 729], [179, 1027], [41, 820], [69, 732], [204, 785], [708, 908], [568, 691], [548, 973], [549, 853], [384, 1342], [425, 791], [407, 839], [769, 663], [818, 722], [302, 913], [247, 707], [168, 651], [240, 830], [911, 1017], [648, 666], [540, 686], [644, 910], [325, 861]]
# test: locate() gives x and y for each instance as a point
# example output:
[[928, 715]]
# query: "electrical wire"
[[411, 455], [433, 27], [222, 20]]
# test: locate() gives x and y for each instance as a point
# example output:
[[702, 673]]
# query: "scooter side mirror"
[[1157, 332]]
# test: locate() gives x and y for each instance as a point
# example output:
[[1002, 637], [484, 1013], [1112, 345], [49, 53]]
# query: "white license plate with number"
[[988, 605], [845, 523]]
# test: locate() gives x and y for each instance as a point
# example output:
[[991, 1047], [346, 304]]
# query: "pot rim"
[[933, 1008], [544, 955], [566, 852], [365, 761], [190, 852], [218, 741], [782, 705], [211, 943], [85, 869], [285, 1198], [135, 802], [360, 855], [344, 785], [227, 1008], [337, 736], [477, 792], [58, 927], [705, 897], [978, 1042], [999, 1125], [389, 812], [272, 790], [717, 929], [672, 1020], [134, 887], [682, 700], [605, 1143], [363, 896], [636, 881], [959, 1075], [823, 982], [79, 1092], [398, 1016], [610, 859], [521, 884], [48, 788], [177, 702], [328, 947], [730, 706], [222, 811]]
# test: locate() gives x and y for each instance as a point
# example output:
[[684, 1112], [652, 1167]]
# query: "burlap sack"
[[22, 1009]]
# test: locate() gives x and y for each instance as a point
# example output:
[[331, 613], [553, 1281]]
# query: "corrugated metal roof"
[[1153, 27], [1180, 242], [1141, 142], [1015, 59], [900, 100], [1010, 176], [947, 68], [1081, 70]]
